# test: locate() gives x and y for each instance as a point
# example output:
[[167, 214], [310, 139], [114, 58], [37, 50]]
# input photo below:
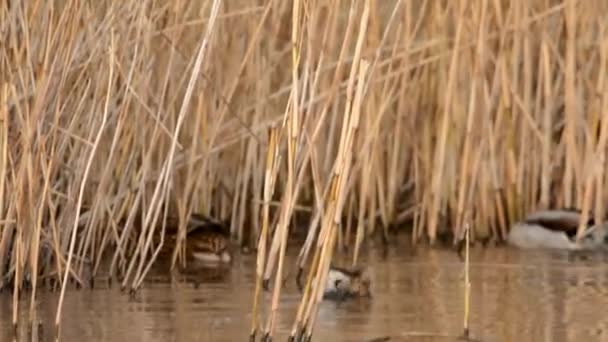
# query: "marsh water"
[[417, 296]]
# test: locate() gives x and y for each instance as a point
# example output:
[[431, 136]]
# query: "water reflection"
[[417, 296]]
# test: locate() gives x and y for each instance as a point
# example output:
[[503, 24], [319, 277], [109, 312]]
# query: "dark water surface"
[[417, 296]]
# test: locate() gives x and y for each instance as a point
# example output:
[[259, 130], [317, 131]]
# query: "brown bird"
[[206, 241]]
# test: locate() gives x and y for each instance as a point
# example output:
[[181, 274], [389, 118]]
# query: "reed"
[[467, 283], [117, 116]]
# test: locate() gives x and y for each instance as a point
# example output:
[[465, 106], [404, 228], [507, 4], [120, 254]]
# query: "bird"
[[342, 283], [207, 240], [556, 229], [345, 283]]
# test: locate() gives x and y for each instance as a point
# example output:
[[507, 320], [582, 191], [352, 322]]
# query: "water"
[[417, 296]]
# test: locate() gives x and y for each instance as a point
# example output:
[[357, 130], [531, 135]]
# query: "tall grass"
[[116, 115]]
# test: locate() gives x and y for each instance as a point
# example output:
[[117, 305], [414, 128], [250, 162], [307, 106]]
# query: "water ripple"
[[417, 296]]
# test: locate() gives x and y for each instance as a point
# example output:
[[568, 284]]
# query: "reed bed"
[[358, 115]]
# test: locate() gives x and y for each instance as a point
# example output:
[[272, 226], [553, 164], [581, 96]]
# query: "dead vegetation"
[[381, 112]]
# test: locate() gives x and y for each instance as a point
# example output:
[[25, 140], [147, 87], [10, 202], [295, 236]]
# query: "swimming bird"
[[343, 283], [206, 241], [556, 229]]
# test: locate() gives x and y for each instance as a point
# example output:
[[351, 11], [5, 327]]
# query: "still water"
[[417, 296]]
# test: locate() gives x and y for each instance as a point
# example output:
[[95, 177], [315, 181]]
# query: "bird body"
[[557, 229], [207, 241], [342, 283], [208, 246]]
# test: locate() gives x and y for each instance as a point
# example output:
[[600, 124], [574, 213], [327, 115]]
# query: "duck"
[[207, 240], [342, 283], [345, 283], [556, 229]]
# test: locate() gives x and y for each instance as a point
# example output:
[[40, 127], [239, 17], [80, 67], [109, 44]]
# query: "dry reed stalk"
[[246, 57], [440, 149], [244, 198], [465, 161], [364, 185], [526, 59], [182, 114], [467, 282], [274, 252], [122, 241], [319, 209], [35, 245], [305, 304], [602, 94], [498, 232], [301, 208], [307, 153], [591, 167], [83, 184], [328, 234], [570, 105], [298, 325], [377, 199], [341, 173], [468, 135], [290, 196], [105, 183], [269, 180], [366, 203], [6, 230], [397, 169], [547, 127]]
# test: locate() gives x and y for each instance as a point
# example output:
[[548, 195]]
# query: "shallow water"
[[417, 296]]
